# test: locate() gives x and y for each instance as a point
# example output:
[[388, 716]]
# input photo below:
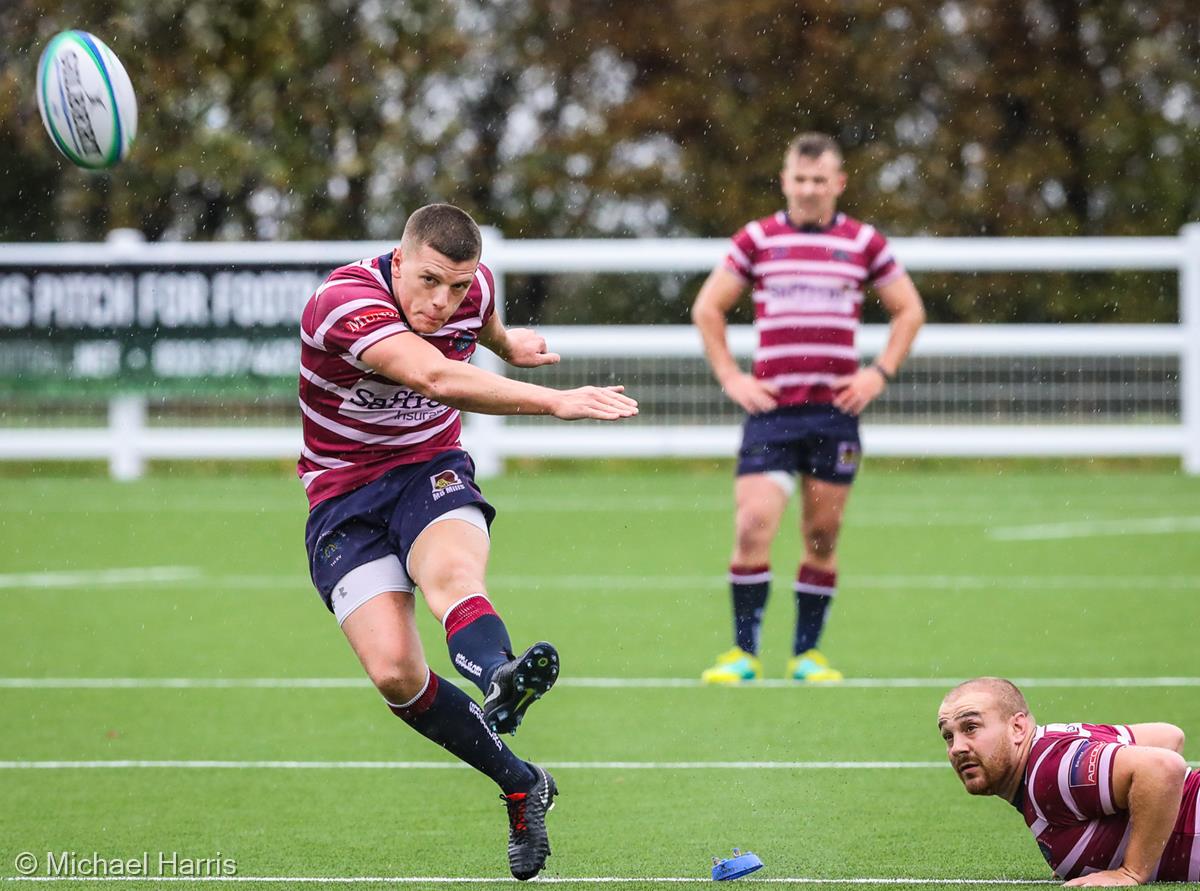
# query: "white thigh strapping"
[[469, 513], [784, 479], [367, 581]]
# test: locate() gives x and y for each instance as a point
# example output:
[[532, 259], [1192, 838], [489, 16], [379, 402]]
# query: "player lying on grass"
[[393, 499], [1107, 804]]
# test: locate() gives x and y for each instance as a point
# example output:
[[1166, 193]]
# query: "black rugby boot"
[[528, 843], [518, 684]]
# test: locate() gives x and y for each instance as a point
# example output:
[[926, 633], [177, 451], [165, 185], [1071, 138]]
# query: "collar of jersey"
[[812, 230], [385, 269]]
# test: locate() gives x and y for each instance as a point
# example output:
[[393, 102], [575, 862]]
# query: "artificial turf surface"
[[1063, 579]]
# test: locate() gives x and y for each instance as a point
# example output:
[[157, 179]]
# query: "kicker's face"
[[980, 744], [429, 285]]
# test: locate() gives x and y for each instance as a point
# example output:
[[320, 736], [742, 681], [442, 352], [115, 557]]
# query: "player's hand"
[[599, 403], [527, 349], [856, 391], [750, 393], [1109, 878]]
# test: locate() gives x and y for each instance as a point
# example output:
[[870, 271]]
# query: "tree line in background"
[[332, 119]]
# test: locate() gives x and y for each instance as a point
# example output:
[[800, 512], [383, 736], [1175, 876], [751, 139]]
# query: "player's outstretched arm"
[[718, 295], [1148, 782], [411, 361], [521, 347]]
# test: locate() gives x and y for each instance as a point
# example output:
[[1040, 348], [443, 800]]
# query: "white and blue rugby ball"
[[86, 100]]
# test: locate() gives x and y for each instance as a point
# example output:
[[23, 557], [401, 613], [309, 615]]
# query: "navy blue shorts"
[[820, 441], [384, 517]]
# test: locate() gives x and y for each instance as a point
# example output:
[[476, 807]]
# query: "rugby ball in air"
[[86, 100]]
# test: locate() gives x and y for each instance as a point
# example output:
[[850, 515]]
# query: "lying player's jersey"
[[1067, 801], [358, 424], [808, 293]]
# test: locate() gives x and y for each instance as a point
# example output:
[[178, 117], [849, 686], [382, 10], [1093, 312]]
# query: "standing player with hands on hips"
[[807, 267], [393, 500]]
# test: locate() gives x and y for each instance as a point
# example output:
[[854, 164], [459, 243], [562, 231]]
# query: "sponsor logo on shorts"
[[330, 548], [848, 456], [1085, 766], [446, 482], [362, 320], [467, 665]]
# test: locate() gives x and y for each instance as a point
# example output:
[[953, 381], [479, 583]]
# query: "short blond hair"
[[1008, 696]]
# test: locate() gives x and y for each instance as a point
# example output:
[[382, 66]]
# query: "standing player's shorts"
[[820, 441], [358, 543]]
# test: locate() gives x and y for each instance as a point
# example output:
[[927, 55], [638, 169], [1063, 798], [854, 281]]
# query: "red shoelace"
[[516, 810]]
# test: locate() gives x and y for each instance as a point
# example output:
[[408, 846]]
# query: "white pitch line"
[[850, 581], [540, 880], [15, 683], [1096, 528], [191, 576], [885, 683], [458, 765], [83, 578], [183, 683]]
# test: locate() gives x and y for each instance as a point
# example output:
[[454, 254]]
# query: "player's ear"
[[1021, 725]]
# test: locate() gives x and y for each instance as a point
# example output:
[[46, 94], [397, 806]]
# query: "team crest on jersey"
[[848, 456], [463, 341], [1085, 766], [446, 482], [841, 256]]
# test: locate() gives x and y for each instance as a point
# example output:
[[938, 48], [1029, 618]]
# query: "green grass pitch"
[[1064, 579]]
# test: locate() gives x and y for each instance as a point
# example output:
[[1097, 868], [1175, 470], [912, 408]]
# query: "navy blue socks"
[[452, 719], [749, 586]]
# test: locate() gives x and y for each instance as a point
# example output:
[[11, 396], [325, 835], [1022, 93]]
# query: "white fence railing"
[[128, 441]]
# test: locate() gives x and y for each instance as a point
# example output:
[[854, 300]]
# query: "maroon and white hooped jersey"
[[808, 294], [1067, 801], [359, 424]]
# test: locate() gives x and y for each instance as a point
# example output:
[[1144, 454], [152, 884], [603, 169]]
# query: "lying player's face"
[[430, 286], [979, 742], [812, 187]]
